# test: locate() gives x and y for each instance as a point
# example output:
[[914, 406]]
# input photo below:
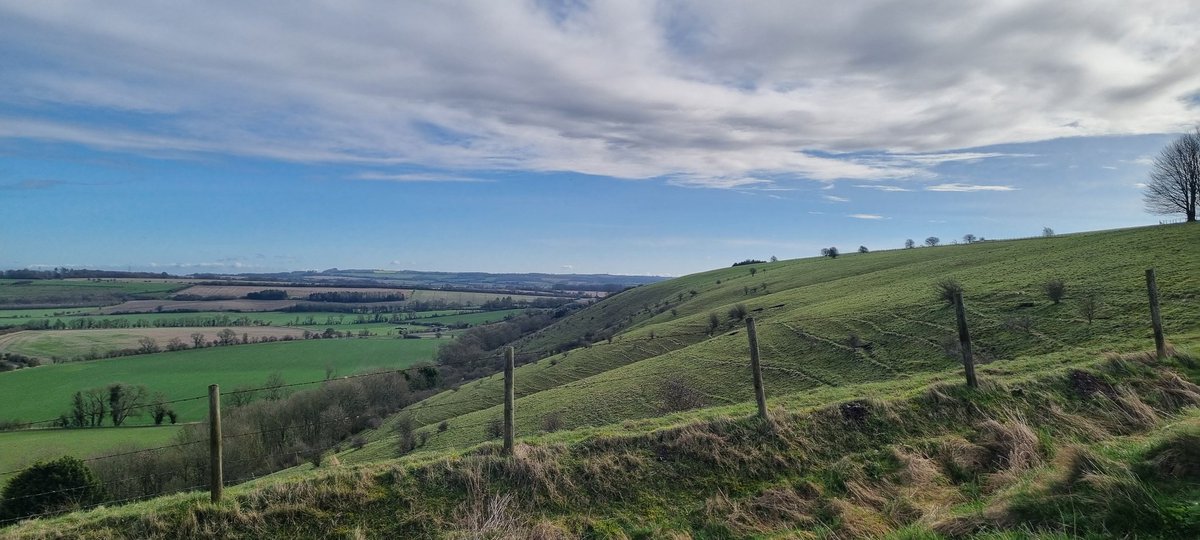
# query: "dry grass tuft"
[[774, 508], [537, 468], [962, 458], [1176, 458], [915, 468], [857, 521], [1013, 444], [484, 517]]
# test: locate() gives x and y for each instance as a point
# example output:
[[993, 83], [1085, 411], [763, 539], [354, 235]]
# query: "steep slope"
[[823, 323]]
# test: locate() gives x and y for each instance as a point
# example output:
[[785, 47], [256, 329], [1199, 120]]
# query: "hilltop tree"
[[1047, 232], [969, 238], [831, 252], [774, 258], [1174, 184], [909, 244], [933, 241], [863, 249]]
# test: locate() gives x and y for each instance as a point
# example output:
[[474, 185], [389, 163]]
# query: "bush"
[[1089, 306], [494, 428], [677, 395], [552, 422], [51, 487], [947, 288], [1055, 290], [738, 312]]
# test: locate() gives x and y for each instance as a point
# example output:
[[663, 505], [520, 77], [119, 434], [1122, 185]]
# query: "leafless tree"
[[1174, 184]]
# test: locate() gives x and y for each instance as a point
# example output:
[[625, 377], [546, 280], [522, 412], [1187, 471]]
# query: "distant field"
[[79, 292], [295, 293], [307, 320], [70, 344], [21, 448], [44, 392], [145, 306]]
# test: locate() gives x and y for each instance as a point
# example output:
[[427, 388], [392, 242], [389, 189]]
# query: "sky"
[[633, 137]]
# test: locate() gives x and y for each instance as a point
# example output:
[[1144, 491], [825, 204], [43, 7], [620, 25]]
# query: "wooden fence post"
[[509, 361], [760, 394], [964, 340], [1160, 341], [217, 478]]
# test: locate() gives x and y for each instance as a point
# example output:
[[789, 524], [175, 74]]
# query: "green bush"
[[51, 487]]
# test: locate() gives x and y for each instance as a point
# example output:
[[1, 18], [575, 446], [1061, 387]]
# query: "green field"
[[81, 292], [21, 448], [323, 319], [44, 392]]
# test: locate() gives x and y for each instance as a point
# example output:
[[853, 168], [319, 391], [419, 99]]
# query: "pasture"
[[71, 344], [21, 448], [44, 392], [294, 293]]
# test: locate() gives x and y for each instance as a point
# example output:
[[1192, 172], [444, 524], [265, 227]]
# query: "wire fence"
[[263, 440]]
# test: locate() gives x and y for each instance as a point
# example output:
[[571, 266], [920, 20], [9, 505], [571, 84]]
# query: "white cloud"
[[835, 198], [418, 177], [865, 216], [954, 186], [704, 94], [882, 187]]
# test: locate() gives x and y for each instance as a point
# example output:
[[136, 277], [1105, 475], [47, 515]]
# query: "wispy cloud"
[[865, 216], [835, 198], [419, 177], [32, 185], [955, 186], [882, 187]]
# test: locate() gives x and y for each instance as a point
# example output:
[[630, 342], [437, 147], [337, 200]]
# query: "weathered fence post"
[[759, 393], [216, 470], [509, 360], [964, 340], [1160, 341]]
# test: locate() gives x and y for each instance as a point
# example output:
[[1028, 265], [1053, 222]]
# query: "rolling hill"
[[635, 412]]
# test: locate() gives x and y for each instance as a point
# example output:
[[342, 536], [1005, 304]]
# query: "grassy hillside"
[[1095, 449], [21, 448], [808, 312]]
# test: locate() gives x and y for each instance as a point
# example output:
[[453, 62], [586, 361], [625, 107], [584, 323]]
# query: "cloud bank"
[[708, 93]]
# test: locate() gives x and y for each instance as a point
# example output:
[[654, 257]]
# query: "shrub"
[[947, 288], [1089, 306], [738, 312], [552, 422], [677, 395], [51, 487], [1055, 290], [443, 426], [494, 428]]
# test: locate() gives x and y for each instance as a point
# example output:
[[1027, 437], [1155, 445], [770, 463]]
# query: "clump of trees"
[[748, 261], [268, 294], [116, 402], [354, 297], [1174, 183], [12, 361], [831, 252], [863, 249]]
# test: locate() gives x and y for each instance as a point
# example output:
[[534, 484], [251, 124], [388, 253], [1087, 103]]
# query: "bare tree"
[[909, 244], [933, 241], [1047, 232], [198, 339], [969, 238], [1089, 306], [1174, 184]]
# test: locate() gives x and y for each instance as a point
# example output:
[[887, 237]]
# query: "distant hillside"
[[457, 280]]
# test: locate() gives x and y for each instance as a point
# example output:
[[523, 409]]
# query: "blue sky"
[[646, 138]]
